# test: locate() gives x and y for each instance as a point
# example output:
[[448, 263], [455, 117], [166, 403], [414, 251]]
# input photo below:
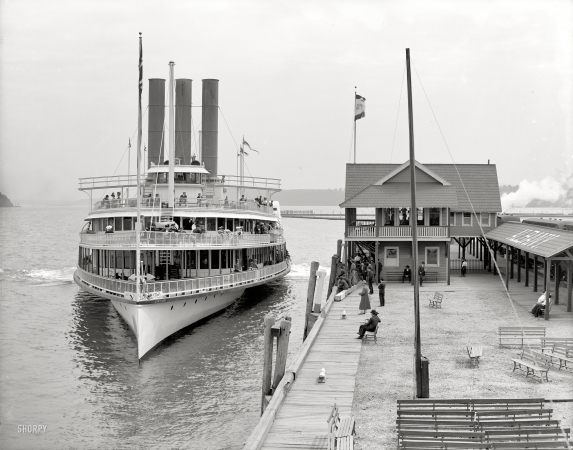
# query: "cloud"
[[549, 192]]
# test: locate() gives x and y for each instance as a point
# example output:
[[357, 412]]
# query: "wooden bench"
[[436, 302], [394, 274], [564, 342], [340, 431], [475, 353], [471, 403], [563, 355], [433, 275], [518, 335], [528, 434], [371, 334], [408, 444], [531, 363], [435, 424], [490, 414], [530, 445], [487, 425]]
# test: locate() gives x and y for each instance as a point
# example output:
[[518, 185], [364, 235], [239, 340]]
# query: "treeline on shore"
[[5, 201]]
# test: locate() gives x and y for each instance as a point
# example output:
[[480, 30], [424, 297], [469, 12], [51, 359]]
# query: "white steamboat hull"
[[153, 322]]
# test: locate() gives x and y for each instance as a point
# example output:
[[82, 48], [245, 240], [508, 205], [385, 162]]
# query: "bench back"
[[471, 403], [333, 418], [438, 296], [536, 357], [560, 341], [522, 331]]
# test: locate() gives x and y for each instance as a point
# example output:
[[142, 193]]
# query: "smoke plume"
[[549, 192]]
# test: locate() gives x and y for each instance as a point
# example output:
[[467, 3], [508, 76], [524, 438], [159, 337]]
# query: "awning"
[[542, 241]]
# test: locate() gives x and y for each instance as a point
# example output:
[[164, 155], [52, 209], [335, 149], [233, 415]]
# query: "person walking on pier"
[[464, 267], [422, 272], [370, 325], [370, 278], [364, 301], [382, 291]]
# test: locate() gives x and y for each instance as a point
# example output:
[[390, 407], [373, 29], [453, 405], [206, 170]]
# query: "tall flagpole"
[[139, 226], [128, 166], [354, 124], [414, 225]]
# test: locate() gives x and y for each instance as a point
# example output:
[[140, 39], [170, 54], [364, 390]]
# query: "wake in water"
[[40, 277], [303, 271]]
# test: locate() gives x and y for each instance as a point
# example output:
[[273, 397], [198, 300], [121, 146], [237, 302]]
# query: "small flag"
[[359, 107], [247, 144]]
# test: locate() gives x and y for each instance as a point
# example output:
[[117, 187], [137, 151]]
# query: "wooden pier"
[[299, 421]]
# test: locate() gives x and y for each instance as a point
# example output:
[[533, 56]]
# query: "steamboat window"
[[434, 217], [191, 260], [127, 221], [204, 259], [215, 259], [118, 224], [211, 224]]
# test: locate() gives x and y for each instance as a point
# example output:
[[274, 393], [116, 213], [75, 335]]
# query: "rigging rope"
[[398, 113]]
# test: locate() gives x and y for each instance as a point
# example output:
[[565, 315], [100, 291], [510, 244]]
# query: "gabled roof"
[[428, 195], [406, 165], [542, 241], [480, 181]]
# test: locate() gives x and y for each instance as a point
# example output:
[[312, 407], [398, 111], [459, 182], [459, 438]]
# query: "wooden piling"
[[282, 351], [339, 248], [333, 267], [310, 294], [320, 275], [267, 360]]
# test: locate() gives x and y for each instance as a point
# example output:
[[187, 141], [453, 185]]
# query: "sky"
[[491, 81]]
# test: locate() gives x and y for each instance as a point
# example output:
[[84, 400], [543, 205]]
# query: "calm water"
[[69, 362]]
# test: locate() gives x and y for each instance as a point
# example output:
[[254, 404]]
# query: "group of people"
[[407, 273], [111, 202], [263, 201]]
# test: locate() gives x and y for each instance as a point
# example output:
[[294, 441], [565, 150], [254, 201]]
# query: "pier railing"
[[403, 231], [175, 288], [163, 239], [193, 204]]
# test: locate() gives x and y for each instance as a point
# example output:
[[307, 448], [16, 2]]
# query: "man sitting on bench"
[[370, 325], [540, 305], [407, 274]]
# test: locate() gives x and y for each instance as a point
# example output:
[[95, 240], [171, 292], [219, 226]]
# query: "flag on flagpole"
[[359, 107], [247, 144]]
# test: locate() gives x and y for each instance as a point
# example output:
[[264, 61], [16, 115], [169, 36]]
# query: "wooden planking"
[[301, 423]]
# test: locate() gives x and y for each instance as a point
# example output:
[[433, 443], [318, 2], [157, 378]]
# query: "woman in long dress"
[[364, 301], [354, 276]]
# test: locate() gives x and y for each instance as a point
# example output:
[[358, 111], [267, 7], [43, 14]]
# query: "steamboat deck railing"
[[162, 239], [180, 205], [175, 288], [400, 231]]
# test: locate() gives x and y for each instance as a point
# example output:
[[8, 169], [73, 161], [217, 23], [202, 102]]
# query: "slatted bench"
[[440, 436], [565, 342], [528, 434], [518, 335], [531, 363], [474, 353], [486, 425], [408, 444], [432, 275], [471, 403], [563, 355], [394, 274], [435, 424], [436, 302], [341, 431], [530, 445], [543, 413]]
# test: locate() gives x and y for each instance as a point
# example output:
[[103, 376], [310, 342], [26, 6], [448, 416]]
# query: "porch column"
[[447, 253], [510, 256], [507, 266], [495, 260], [548, 286], [376, 262], [526, 268], [519, 265], [545, 272], [464, 248], [569, 289], [557, 280], [534, 273]]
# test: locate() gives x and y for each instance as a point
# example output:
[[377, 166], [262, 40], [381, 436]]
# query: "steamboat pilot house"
[[445, 195], [200, 247]]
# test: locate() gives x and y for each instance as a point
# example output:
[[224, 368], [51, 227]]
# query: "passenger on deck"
[[194, 162], [243, 199], [183, 199], [148, 200], [157, 200], [370, 325], [226, 203], [407, 274], [109, 229], [237, 267], [105, 202], [118, 196], [113, 201]]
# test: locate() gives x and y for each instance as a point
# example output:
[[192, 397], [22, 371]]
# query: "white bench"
[[341, 432]]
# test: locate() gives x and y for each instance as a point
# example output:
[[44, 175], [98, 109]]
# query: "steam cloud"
[[549, 192]]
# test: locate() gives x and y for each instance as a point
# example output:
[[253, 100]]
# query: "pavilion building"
[[447, 210]]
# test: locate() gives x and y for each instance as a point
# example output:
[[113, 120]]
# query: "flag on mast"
[[247, 144], [359, 107]]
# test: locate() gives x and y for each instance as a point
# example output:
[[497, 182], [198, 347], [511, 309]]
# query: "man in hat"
[[540, 305], [407, 274], [370, 325]]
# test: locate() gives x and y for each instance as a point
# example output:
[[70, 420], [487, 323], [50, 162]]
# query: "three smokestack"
[[157, 135]]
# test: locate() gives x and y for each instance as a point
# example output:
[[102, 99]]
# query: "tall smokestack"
[[210, 125], [156, 117], [183, 120]]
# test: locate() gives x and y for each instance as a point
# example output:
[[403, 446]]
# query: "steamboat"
[[189, 242]]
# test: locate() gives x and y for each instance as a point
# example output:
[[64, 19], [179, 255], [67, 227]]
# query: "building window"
[[467, 219], [391, 256], [420, 218], [404, 216], [485, 219], [452, 219], [434, 217], [389, 217], [432, 256]]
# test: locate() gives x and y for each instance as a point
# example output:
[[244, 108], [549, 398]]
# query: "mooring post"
[[282, 350], [339, 248], [333, 269], [310, 297], [267, 360], [321, 274]]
